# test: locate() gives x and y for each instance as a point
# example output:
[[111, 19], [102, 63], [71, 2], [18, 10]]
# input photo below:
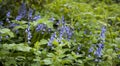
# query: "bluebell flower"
[[58, 22], [65, 30], [29, 35], [53, 36], [49, 44], [63, 20], [62, 30], [69, 32], [19, 17], [7, 20], [1, 23], [89, 55], [78, 48], [7, 37], [52, 19], [22, 12], [102, 35], [49, 29], [36, 17], [12, 25], [90, 50], [77, 53], [8, 14], [30, 13], [16, 31], [98, 52], [41, 27]]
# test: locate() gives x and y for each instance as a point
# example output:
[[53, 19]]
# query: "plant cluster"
[[59, 33]]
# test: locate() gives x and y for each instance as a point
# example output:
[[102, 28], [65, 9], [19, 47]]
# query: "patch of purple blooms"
[[36, 17], [98, 52], [52, 19], [91, 49], [22, 12], [69, 32], [29, 35], [41, 27], [1, 23], [63, 20], [8, 15], [78, 49], [65, 31], [30, 12], [102, 35], [12, 25], [53, 36]]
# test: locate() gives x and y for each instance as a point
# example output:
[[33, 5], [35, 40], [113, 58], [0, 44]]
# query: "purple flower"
[[49, 44], [78, 48], [49, 30], [69, 32], [98, 52], [8, 14], [7, 37], [7, 20], [12, 25], [1, 23], [91, 50], [36, 17], [16, 31], [53, 36], [102, 35], [29, 36], [65, 30], [41, 27], [62, 30], [22, 12], [63, 20], [30, 13], [52, 19], [19, 17]]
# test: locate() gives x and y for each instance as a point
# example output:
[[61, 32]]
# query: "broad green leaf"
[[43, 41], [47, 61]]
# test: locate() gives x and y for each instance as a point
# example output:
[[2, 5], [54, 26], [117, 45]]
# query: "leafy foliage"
[[59, 33]]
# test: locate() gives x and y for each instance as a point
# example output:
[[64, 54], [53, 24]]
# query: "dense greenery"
[[59, 32]]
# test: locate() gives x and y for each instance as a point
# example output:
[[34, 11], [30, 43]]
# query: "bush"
[[59, 33]]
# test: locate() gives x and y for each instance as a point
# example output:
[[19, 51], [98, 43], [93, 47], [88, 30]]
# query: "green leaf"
[[43, 41], [37, 45], [6, 31], [47, 61], [109, 51], [50, 55], [79, 61]]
